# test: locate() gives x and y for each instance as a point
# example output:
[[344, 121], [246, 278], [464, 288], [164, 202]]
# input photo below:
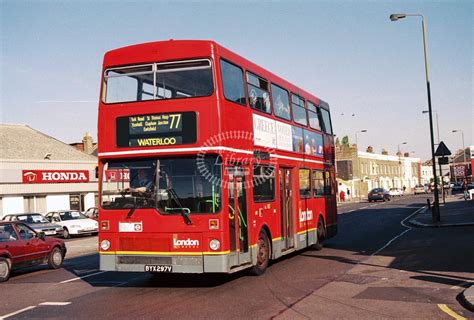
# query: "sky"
[[370, 70]]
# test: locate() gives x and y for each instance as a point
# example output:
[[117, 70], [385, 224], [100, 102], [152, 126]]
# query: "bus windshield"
[[170, 185], [170, 80]]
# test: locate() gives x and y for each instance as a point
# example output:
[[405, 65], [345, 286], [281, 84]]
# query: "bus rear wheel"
[[263, 254]]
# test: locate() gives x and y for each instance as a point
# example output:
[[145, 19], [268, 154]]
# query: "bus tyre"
[[55, 258], [5, 269], [263, 254], [320, 235]]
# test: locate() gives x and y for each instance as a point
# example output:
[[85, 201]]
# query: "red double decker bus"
[[208, 162]]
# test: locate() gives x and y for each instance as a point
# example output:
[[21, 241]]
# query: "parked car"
[[21, 246], [73, 222], [37, 222], [419, 189], [395, 192], [456, 187], [378, 194], [92, 213]]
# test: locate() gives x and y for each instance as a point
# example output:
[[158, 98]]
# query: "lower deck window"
[[304, 183], [263, 183]]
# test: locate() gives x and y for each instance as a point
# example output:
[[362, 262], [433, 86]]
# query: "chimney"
[[384, 152], [406, 155], [88, 143], [370, 149]]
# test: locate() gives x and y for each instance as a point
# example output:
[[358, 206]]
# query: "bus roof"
[[171, 50]]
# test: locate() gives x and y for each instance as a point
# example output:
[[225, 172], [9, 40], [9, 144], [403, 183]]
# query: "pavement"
[[456, 212]]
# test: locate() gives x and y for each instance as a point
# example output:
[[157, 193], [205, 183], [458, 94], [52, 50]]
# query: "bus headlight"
[[105, 245], [214, 244]]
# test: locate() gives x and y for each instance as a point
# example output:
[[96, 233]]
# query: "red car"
[[21, 246]]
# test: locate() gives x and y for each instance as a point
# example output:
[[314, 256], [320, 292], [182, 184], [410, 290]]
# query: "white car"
[[395, 192], [419, 189], [73, 222]]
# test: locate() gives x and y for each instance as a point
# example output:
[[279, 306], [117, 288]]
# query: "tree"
[[338, 143], [345, 141]]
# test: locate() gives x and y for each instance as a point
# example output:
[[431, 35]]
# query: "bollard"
[[429, 204]]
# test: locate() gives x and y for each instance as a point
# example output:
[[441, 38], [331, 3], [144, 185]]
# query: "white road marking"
[[79, 278], [409, 217], [17, 312], [54, 303], [372, 205], [400, 234], [363, 207], [32, 307], [388, 243]]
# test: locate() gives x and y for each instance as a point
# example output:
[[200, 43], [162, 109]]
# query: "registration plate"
[[157, 268]]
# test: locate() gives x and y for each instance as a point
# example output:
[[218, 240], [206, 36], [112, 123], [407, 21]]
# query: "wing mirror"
[[41, 235]]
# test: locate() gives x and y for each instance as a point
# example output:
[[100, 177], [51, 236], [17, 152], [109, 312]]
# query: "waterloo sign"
[[55, 176]]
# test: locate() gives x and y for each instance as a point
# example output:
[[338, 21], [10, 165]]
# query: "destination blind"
[[155, 130]]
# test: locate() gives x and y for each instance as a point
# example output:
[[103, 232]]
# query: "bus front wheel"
[[320, 235], [263, 254]]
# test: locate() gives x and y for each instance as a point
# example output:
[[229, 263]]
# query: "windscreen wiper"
[[184, 211], [131, 212]]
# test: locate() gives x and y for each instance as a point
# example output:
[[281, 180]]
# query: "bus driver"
[[142, 183]]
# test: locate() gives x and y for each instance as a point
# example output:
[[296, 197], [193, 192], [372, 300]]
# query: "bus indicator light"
[[104, 225], [213, 224]]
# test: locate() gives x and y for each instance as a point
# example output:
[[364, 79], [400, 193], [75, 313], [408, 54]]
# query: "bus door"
[[330, 196], [238, 222], [286, 204]]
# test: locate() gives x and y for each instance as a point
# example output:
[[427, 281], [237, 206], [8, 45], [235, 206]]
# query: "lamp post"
[[358, 162], [463, 150], [437, 123], [400, 163], [395, 17]]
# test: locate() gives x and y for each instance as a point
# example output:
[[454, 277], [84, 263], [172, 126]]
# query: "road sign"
[[459, 171], [442, 150], [443, 160]]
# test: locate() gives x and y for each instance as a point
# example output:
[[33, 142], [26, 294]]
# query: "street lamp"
[[463, 149], [400, 163], [400, 145], [360, 131], [358, 161], [437, 123], [396, 17]]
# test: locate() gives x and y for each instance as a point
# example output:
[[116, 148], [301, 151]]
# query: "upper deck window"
[[169, 80], [326, 120], [299, 111], [281, 103], [258, 93], [313, 116], [233, 82]]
